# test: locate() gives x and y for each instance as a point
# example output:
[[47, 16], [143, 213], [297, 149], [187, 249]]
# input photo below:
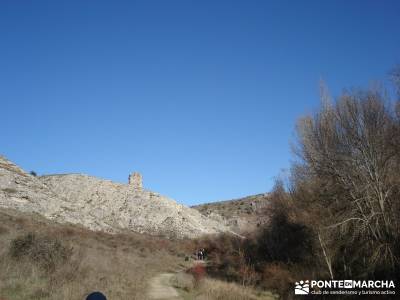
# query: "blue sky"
[[201, 97]]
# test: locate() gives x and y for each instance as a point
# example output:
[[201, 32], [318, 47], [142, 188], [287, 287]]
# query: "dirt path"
[[160, 288]]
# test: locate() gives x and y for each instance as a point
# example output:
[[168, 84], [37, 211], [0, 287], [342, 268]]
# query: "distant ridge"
[[241, 214]]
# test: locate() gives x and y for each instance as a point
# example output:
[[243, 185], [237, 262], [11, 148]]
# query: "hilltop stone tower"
[[135, 181]]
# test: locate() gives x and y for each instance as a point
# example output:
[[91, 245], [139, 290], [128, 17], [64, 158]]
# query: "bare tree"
[[350, 174]]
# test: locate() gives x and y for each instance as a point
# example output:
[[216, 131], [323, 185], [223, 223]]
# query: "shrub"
[[198, 272], [223, 256], [46, 252], [285, 241], [277, 277]]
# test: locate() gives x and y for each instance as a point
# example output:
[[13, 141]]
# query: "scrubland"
[[40, 259]]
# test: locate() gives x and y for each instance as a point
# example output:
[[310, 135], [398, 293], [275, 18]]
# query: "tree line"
[[337, 215]]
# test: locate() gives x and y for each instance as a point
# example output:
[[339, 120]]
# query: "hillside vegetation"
[[44, 260], [41, 259]]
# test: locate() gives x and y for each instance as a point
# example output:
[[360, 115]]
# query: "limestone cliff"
[[100, 204]]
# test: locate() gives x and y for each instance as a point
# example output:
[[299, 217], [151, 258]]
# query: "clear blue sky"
[[201, 97]]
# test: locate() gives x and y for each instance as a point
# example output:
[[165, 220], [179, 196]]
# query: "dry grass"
[[118, 265], [49, 253], [219, 290], [183, 281], [211, 289]]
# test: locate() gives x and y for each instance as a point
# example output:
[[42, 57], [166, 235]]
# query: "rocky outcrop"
[[100, 204], [240, 215], [27, 193]]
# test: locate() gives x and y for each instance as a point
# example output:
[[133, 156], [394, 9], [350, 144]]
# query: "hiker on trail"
[[96, 296], [199, 254], [203, 254]]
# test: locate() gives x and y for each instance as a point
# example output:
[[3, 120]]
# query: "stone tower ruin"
[[135, 181]]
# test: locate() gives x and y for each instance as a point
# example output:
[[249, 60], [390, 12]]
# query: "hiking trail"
[[160, 288]]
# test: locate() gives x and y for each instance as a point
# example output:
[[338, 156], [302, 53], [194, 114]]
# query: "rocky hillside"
[[240, 215], [100, 204], [24, 192]]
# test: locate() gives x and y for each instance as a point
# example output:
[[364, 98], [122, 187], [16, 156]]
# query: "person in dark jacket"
[[203, 254], [96, 296], [199, 255]]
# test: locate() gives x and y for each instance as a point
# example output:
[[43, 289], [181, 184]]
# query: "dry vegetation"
[[338, 215], [207, 288], [212, 289], [44, 260]]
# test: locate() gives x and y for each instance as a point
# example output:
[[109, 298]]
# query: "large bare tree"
[[349, 181]]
